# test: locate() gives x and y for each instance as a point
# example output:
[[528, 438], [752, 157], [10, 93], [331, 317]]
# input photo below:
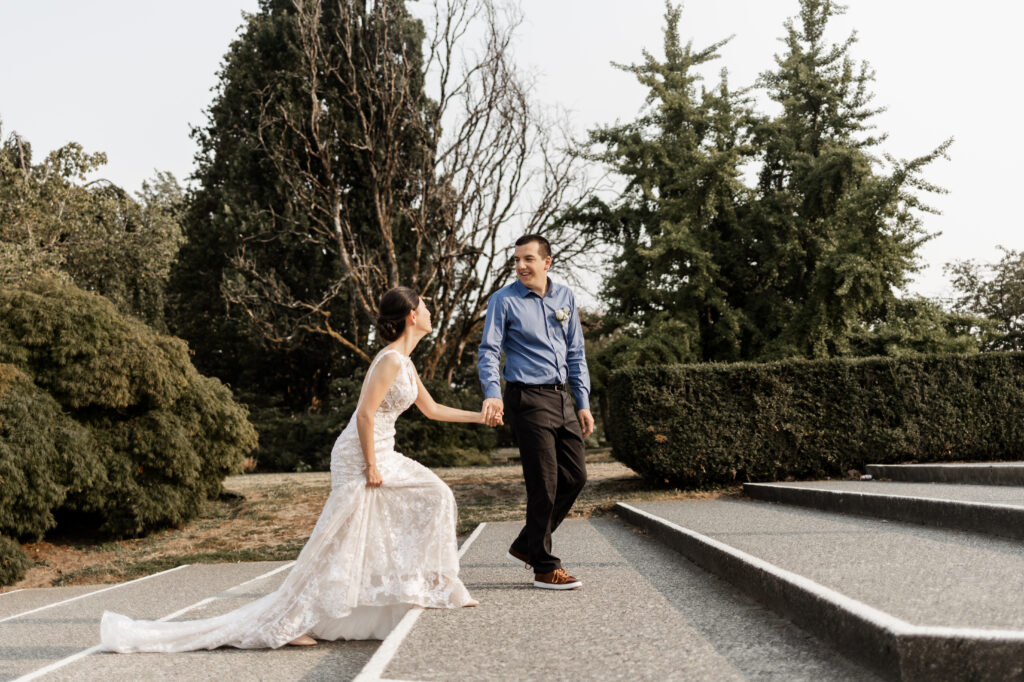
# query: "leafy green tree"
[[836, 234], [995, 292], [90, 232]]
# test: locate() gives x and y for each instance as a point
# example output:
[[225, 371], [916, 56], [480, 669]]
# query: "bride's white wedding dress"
[[373, 554]]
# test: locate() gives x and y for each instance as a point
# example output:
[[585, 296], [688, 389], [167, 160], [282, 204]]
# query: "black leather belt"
[[551, 387]]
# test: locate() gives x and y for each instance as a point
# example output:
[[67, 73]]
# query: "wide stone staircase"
[[831, 580], [914, 580]]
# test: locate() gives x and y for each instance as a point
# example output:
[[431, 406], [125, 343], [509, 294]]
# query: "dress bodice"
[[402, 393], [347, 459]]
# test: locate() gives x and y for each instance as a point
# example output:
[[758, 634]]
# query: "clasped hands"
[[492, 411]]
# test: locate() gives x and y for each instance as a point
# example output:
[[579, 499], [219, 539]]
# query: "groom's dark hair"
[[545, 247]]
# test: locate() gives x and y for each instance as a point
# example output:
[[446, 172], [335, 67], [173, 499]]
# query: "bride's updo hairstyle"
[[395, 304]]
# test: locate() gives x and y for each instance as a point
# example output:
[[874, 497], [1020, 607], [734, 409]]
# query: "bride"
[[384, 542]]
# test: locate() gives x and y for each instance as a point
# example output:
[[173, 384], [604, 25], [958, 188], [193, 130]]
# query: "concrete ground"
[[644, 613]]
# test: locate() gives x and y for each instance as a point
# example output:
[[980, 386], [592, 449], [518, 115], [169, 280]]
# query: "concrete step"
[[977, 473], [642, 614], [912, 603], [997, 510]]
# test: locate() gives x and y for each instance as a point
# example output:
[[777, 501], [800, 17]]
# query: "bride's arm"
[[377, 386], [443, 413]]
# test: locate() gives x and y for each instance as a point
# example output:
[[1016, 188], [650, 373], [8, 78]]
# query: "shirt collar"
[[523, 292]]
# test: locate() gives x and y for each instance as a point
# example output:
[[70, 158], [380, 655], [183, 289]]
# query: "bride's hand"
[[373, 479], [481, 419]]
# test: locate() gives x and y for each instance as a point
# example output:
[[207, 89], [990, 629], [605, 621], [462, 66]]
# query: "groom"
[[536, 322]]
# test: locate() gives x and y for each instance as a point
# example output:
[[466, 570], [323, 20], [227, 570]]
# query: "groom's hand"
[[586, 422], [492, 410]]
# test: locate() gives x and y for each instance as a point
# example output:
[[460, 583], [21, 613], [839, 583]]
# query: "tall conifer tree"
[[837, 235], [675, 290]]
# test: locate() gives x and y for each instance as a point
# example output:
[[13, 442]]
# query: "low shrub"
[[43, 454], [712, 424], [139, 436], [13, 561]]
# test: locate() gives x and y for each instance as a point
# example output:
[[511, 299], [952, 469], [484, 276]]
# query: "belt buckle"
[[558, 387]]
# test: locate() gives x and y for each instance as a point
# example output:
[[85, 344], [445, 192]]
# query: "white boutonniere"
[[562, 315]]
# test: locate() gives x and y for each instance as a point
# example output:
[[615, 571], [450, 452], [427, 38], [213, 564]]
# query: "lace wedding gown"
[[373, 553]]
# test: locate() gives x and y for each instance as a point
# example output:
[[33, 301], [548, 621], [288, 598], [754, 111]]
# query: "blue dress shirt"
[[539, 348]]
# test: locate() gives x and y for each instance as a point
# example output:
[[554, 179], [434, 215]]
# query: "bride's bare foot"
[[304, 640], [471, 602]]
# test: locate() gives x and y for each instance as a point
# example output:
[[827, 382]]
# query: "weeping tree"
[[373, 155], [55, 221]]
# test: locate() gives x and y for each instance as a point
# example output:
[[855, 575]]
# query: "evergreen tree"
[[678, 282], [835, 236], [238, 193], [802, 263]]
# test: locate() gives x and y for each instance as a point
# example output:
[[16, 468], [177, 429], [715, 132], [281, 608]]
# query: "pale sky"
[[128, 77]]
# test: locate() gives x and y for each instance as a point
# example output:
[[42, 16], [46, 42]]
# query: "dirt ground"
[[265, 517]]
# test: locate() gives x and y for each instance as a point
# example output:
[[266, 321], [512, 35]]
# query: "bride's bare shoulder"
[[388, 361]]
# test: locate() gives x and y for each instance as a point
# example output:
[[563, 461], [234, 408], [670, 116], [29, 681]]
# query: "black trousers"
[[551, 450]]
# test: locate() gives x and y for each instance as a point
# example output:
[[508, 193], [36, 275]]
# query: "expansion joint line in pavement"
[[830, 614], [56, 665], [88, 594], [378, 663]]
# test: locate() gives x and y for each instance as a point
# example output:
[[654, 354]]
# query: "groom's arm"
[[579, 375], [489, 360], [576, 359]]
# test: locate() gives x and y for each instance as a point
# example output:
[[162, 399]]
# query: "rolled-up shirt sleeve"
[[489, 354], [576, 359]]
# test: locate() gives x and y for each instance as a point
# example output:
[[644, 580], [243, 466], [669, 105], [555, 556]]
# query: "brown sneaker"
[[557, 579], [518, 557]]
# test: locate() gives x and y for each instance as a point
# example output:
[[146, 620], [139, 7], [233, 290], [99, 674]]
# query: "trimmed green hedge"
[[710, 424]]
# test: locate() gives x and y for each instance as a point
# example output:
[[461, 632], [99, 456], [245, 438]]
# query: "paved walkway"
[[644, 613]]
